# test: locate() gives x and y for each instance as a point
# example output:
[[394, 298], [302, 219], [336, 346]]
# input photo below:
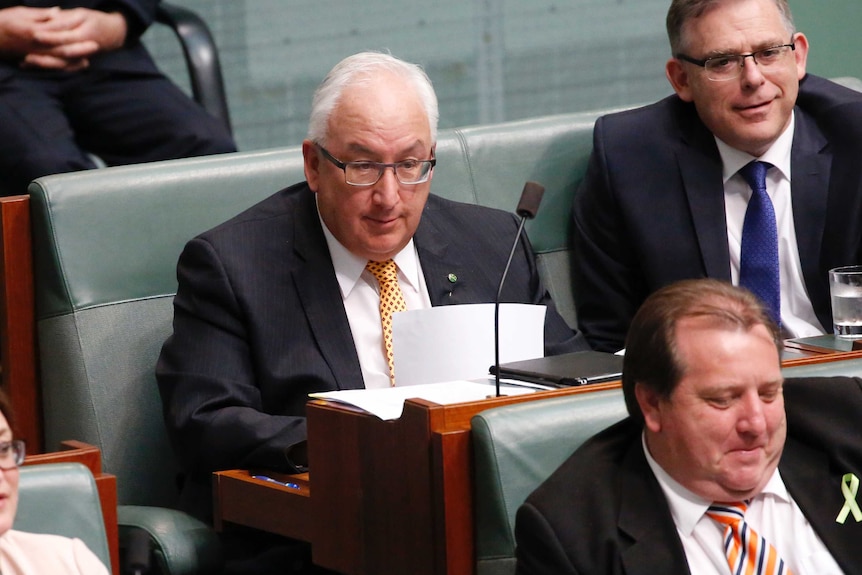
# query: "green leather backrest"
[[106, 243], [515, 448], [62, 499]]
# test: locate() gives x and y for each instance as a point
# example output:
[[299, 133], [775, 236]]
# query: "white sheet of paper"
[[453, 342], [388, 403]]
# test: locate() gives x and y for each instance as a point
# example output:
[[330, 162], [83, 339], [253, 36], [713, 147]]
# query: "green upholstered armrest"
[[62, 499], [516, 447], [181, 544]]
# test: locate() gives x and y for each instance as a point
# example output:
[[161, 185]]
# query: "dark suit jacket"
[[650, 210], [132, 57], [603, 512], [259, 321]]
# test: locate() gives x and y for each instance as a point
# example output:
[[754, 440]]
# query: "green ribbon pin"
[[849, 487]]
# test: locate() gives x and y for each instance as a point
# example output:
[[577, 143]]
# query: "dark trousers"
[[252, 552], [52, 122]]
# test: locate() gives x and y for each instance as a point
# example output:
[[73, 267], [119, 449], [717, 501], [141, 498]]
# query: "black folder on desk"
[[566, 370]]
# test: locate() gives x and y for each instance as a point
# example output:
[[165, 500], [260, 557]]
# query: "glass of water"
[[845, 286]]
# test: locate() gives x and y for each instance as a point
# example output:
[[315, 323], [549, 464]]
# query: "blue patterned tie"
[[758, 266]]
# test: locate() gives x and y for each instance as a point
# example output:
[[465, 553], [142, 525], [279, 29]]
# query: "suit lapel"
[[700, 169], [645, 517], [317, 288], [447, 276], [816, 487], [811, 166]]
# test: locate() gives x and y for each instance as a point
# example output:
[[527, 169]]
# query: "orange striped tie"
[[747, 552], [391, 300]]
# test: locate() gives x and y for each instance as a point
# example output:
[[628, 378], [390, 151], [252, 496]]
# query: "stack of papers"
[[389, 403]]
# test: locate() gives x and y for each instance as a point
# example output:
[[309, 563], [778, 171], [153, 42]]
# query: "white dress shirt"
[[797, 314], [773, 514], [360, 292]]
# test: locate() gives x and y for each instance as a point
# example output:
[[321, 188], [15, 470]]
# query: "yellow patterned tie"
[[747, 552], [391, 300]]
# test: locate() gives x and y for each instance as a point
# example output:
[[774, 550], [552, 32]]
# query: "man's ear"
[[800, 53], [433, 155], [311, 162], [679, 79], [650, 403]]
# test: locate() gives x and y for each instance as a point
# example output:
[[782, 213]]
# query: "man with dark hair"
[[750, 157], [707, 455]]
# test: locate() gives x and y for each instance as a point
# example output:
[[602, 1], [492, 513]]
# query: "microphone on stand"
[[528, 205]]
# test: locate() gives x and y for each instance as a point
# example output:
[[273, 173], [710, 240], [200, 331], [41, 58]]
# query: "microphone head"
[[531, 197]]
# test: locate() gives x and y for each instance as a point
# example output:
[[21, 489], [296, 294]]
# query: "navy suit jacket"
[[603, 512], [259, 321], [650, 210]]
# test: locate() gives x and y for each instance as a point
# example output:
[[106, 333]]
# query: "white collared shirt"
[[773, 514], [797, 314], [360, 292]]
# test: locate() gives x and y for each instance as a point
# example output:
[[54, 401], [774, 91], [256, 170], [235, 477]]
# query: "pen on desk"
[[276, 481]]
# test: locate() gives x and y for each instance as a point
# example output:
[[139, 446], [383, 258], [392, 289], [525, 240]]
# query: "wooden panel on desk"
[[395, 497], [453, 495], [18, 320], [242, 499], [371, 491], [334, 449]]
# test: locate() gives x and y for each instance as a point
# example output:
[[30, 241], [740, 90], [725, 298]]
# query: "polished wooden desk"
[[384, 496]]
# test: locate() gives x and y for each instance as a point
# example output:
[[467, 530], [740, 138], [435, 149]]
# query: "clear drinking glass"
[[845, 287]]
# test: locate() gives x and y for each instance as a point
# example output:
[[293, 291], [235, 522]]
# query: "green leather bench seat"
[[515, 448]]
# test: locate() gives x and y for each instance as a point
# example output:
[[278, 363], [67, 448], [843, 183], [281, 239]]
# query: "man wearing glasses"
[[283, 300], [668, 189]]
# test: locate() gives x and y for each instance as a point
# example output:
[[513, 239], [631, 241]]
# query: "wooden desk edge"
[[237, 495]]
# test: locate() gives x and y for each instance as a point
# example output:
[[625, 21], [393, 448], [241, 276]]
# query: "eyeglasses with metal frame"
[[408, 172], [12, 454], [729, 66]]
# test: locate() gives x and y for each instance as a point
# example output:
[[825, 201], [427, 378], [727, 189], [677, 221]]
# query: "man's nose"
[[387, 189], [751, 72]]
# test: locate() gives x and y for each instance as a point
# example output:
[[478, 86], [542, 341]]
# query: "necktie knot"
[[728, 513], [754, 174], [385, 271]]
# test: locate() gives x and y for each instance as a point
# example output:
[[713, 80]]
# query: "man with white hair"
[[284, 299]]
